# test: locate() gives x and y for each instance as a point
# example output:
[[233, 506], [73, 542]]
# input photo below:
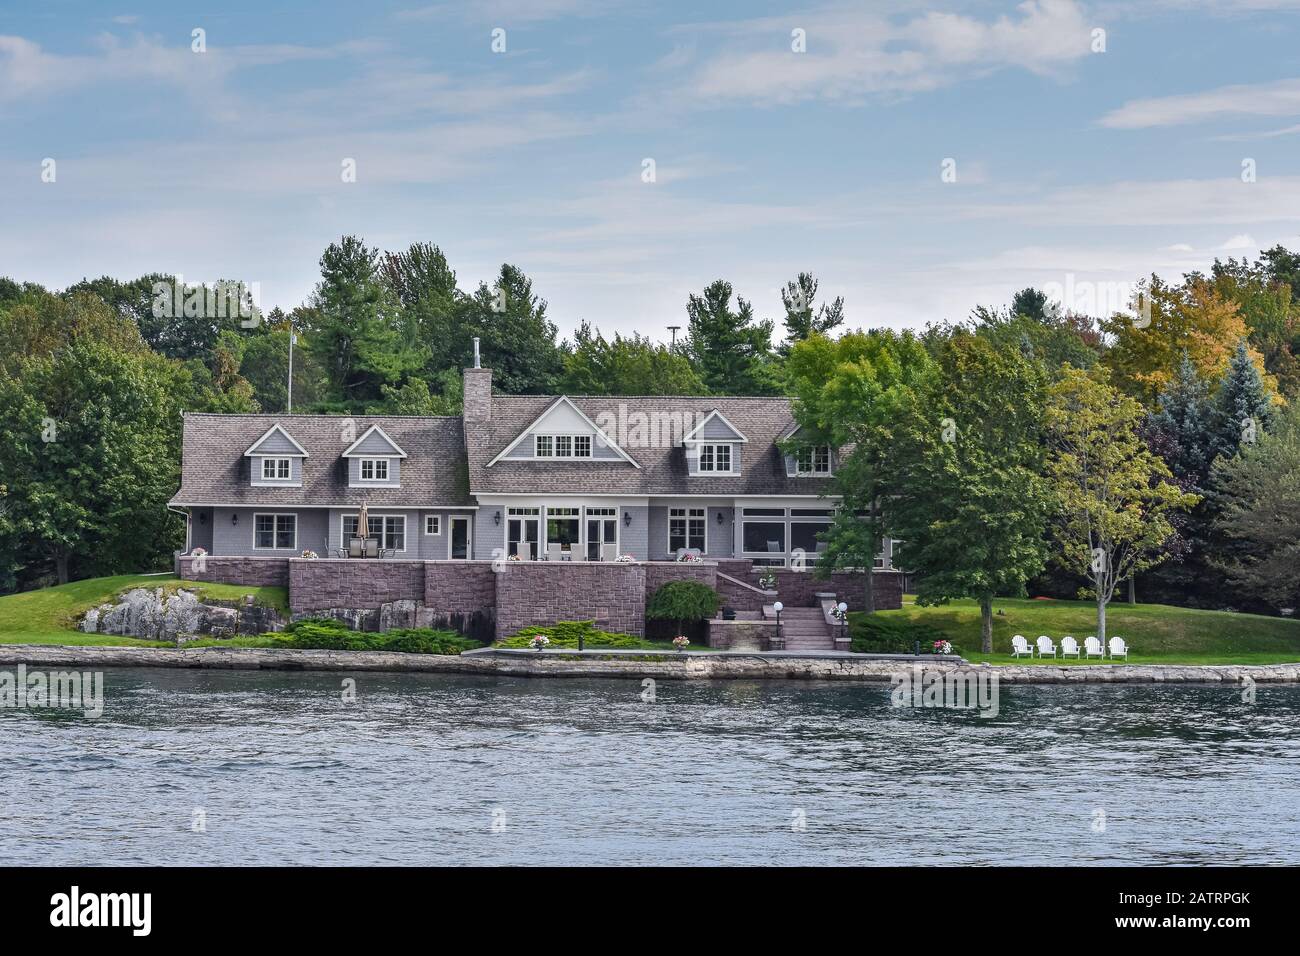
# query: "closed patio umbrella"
[[363, 522]]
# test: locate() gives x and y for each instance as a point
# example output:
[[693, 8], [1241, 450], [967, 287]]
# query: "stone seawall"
[[703, 666]]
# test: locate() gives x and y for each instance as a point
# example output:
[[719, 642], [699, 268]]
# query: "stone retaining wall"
[[229, 569], [742, 635], [707, 665], [343, 583], [460, 587], [543, 592]]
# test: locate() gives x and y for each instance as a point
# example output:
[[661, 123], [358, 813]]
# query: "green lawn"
[[1155, 633], [48, 616]]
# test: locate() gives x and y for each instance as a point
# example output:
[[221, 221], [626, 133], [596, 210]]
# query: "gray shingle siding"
[[237, 538], [255, 471], [276, 444], [375, 444]]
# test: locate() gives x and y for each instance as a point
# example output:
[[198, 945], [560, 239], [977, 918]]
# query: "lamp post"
[[844, 620], [778, 607]]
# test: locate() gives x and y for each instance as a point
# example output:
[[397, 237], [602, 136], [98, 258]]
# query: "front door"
[[458, 540]]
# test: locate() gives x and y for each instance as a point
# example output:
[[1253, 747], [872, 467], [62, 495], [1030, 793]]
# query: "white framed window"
[[813, 461], [389, 530], [433, 524], [275, 532], [562, 446], [687, 528], [715, 458], [374, 469], [276, 469]]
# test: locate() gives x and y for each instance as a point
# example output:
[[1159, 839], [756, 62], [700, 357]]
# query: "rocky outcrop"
[[154, 614]]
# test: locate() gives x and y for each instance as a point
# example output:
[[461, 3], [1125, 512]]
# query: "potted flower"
[[681, 641], [767, 581], [943, 647], [310, 555], [539, 642], [198, 552], [689, 557], [625, 559]]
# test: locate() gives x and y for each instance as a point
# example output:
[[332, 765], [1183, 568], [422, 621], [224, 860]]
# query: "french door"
[[602, 529], [458, 539]]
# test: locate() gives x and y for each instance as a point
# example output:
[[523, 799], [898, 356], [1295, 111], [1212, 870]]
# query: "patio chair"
[[1092, 648], [1118, 648], [1069, 647], [356, 548], [553, 552], [1020, 646], [608, 552], [1045, 646], [372, 547]]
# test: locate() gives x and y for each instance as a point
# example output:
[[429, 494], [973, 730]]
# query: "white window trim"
[[343, 542], [701, 471], [437, 520], [388, 470], [830, 464], [274, 515], [275, 479], [688, 518], [573, 437]]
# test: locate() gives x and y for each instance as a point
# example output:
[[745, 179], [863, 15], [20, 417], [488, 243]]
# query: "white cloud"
[[1261, 99], [1239, 242], [853, 53]]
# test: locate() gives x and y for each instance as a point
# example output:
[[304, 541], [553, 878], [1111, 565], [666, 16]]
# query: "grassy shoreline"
[[1155, 633]]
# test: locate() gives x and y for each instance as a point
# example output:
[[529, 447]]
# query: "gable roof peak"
[[277, 427]]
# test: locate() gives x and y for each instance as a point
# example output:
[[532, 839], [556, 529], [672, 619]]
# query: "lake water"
[[430, 769]]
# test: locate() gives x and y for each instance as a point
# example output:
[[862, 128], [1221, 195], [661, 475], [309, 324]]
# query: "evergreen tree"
[[1242, 408], [800, 320], [730, 349]]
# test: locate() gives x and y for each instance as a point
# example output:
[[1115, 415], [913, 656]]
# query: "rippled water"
[[420, 767]]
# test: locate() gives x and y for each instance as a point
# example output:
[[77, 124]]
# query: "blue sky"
[[1074, 168]]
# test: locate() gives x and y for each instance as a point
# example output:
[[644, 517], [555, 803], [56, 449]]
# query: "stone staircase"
[[804, 628]]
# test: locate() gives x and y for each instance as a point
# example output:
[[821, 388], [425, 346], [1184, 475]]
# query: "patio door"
[[602, 528], [458, 539], [523, 526]]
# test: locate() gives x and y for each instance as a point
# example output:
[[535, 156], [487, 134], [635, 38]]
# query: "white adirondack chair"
[[1069, 647], [1045, 646], [1118, 648], [1092, 647], [608, 552], [1020, 646], [553, 552], [526, 550]]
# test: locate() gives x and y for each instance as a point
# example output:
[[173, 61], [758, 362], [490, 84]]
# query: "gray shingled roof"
[[215, 471], [663, 467]]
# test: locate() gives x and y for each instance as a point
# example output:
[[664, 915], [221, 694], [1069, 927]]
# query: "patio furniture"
[[372, 547], [1020, 646], [1092, 648], [1069, 647], [1118, 648], [1045, 645], [525, 551], [608, 552], [554, 552], [356, 547]]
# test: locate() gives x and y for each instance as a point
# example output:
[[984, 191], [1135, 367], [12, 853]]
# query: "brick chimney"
[[478, 391]]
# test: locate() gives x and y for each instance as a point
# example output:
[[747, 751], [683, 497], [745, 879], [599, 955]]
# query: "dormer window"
[[715, 458], [813, 461], [374, 469], [276, 469], [562, 446]]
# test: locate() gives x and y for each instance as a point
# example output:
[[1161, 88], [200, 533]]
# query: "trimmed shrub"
[[565, 634], [330, 635], [874, 634]]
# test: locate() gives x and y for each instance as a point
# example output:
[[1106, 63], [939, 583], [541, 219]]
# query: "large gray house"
[[569, 477]]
